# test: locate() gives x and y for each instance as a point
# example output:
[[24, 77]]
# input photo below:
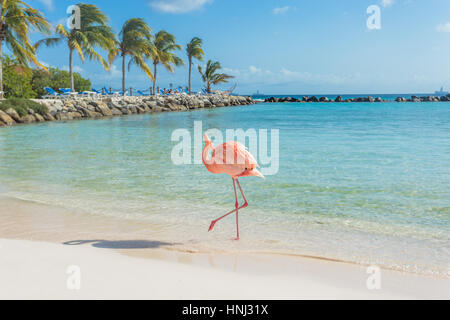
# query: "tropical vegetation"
[[162, 52], [17, 19], [25, 82], [94, 33], [194, 51], [134, 41], [135, 44], [22, 105], [211, 76]]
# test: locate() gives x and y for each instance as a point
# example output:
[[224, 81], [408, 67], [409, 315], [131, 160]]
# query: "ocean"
[[357, 182]]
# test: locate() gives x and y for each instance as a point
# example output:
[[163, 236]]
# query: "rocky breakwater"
[[359, 99], [323, 99], [92, 108]]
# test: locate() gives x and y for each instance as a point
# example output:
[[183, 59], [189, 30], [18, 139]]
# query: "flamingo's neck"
[[209, 163]]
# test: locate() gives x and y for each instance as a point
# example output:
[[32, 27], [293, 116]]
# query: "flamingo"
[[230, 158]]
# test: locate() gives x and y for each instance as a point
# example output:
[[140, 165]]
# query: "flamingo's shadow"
[[125, 244]]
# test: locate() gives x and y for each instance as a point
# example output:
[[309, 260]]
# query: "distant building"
[[441, 93]]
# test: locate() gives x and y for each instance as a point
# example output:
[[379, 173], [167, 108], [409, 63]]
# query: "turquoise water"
[[366, 183]]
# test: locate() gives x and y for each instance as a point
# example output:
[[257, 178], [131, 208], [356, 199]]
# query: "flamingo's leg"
[[237, 210], [245, 205], [213, 223]]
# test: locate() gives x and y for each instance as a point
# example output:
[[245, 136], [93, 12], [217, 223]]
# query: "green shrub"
[[22, 106], [56, 79], [17, 80]]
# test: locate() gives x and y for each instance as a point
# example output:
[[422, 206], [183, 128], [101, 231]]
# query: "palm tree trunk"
[[154, 79], [123, 73], [72, 83], [190, 70], [1, 69]]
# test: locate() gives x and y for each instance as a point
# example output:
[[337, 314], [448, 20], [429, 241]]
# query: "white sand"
[[36, 270], [35, 256]]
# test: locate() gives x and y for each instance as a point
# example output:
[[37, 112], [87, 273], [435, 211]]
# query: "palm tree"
[[94, 32], [162, 52], [135, 41], [16, 20], [194, 50], [211, 77]]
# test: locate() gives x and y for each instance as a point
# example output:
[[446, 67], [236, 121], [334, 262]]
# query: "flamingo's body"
[[231, 158]]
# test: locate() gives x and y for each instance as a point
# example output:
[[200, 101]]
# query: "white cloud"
[[281, 10], [443, 27], [387, 3], [48, 3], [252, 75], [178, 6], [254, 69], [75, 69]]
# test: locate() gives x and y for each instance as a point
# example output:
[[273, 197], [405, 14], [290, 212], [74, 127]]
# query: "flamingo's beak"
[[255, 173]]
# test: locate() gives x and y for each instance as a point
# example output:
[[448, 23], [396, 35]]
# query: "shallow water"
[[366, 183]]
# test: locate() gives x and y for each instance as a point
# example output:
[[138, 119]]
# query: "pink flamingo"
[[231, 158]]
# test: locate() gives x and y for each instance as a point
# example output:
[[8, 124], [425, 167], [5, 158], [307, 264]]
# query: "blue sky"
[[287, 46]]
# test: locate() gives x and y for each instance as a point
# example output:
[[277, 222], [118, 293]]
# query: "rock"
[[90, 114], [30, 111], [444, 98], [6, 119], [323, 99], [29, 118], [74, 115], [338, 99], [313, 99], [102, 108], [133, 109], [140, 110], [13, 114], [378, 99], [126, 111], [400, 99], [371, 99], [427, 99], [39, 118], [116, 112], [49, 117]]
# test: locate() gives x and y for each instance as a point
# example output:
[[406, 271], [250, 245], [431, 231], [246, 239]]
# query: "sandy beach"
[[40, 247]]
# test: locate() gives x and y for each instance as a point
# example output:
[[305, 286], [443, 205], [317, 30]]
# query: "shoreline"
[[50, 230], [81, 108]]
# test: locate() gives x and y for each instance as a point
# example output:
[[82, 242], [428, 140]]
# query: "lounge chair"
[[52, 94], [67, 92], [142, 93], [98, 92]]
